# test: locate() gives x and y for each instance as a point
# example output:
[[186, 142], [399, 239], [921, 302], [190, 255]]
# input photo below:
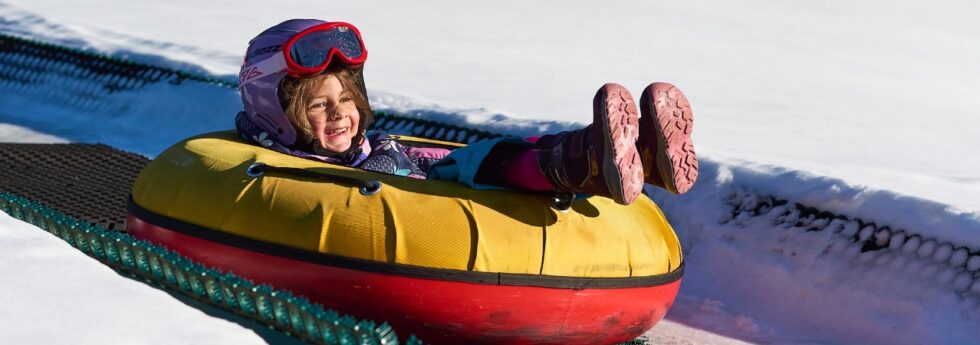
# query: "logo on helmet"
[[248, 75], [263, 50]]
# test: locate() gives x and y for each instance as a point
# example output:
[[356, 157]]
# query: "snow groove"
[[866, 242]]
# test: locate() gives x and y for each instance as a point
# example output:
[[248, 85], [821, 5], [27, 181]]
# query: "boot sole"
[[622, 170], [677, 162]]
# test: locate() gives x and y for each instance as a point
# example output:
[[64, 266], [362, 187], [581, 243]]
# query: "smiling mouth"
[[335, 132]]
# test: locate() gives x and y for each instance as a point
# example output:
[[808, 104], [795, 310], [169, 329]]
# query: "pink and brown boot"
[[665, 145], [600, 159]]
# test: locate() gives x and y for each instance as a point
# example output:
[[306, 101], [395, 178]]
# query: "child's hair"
[[293, 93]]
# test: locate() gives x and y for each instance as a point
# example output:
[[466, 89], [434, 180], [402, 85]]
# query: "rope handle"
[[561, 201], [366, 187]]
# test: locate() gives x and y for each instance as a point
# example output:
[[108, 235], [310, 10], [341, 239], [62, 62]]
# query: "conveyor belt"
[[90, 182]]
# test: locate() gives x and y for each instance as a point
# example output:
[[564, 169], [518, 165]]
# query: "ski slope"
[[854, 110]]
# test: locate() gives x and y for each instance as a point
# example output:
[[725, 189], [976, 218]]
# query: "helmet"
[[262, 73]]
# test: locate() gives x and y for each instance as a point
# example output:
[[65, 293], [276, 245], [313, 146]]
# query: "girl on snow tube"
[[303, 90]]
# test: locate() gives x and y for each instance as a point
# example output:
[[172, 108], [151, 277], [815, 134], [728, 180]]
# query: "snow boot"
[[665, 145], [600, 159]]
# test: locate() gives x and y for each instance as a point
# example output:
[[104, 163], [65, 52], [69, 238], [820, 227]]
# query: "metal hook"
[[372, 188], [562, 201], [255, 170]]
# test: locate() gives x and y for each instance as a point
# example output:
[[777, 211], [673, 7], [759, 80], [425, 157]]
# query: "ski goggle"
[[310, 51]]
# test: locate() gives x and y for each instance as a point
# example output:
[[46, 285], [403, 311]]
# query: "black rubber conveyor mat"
[[87, 181]]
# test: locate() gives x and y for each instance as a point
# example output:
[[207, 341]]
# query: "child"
[[303, 89]]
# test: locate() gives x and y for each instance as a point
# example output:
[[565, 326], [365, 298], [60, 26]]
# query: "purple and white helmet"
[[266, 64]]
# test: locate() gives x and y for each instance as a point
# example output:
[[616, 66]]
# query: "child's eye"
[[346, 99], [318, 105]]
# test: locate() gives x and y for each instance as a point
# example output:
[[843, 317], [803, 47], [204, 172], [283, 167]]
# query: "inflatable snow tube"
[[433, 258]]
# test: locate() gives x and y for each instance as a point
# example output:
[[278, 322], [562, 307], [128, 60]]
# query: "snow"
[[819, 286], [877, 93], [860, 109], [17, 134], [55, 294]]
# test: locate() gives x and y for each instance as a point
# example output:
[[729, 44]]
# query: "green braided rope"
[[294, 315]]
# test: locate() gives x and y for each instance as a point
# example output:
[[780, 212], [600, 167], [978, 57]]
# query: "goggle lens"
[[313, 49]]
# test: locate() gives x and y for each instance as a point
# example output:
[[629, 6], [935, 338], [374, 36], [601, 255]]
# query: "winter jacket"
[[378, 152], [388, 156]]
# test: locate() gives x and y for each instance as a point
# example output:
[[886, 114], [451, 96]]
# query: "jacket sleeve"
[[388, 156], [423, 157]]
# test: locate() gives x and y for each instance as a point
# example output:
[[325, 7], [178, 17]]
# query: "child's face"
[[332, 115]]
